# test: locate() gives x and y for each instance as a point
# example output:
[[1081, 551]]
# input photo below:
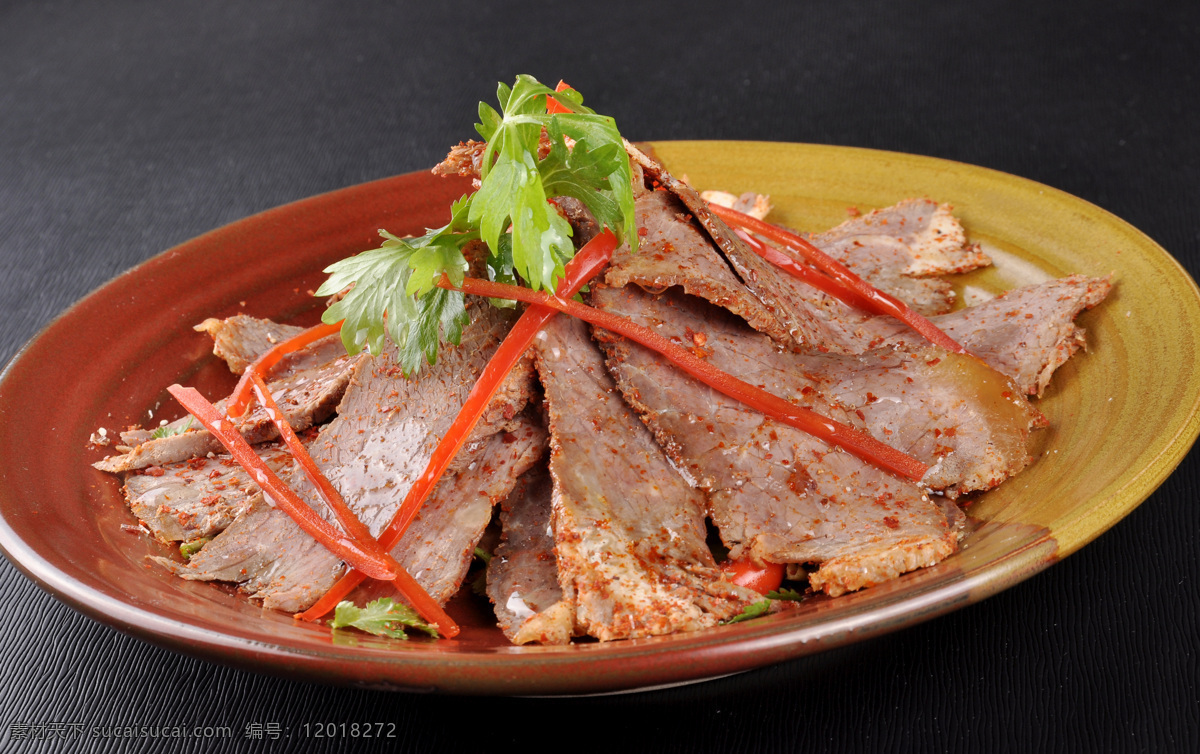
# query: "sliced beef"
[[522, 576], [1026, 333], [272, 559], [916, 237], [197, 498], [944, 409], [438, 547], [465, 159], [778, 494], [749, 203], [919, 242], [241, 339], [675, 251], [629, 531], [386, 429], [306, 397]]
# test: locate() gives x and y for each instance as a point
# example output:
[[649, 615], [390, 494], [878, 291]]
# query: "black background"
[[126, 128]]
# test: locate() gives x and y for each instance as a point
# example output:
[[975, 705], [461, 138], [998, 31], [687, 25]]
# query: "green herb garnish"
[[479, 583], [753, 610], [188, 549], [383, 617], [167, 430], [393, 289], [783, 593], [760, 608]]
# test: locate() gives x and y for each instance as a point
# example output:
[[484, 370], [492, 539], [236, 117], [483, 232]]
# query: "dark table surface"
[[126, 128]]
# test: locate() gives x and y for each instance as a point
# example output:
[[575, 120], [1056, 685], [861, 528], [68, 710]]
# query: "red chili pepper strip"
[[552, 105], [810, 275], [760, 578], [375, 566], [358, 531], [239, 400], [881, 303], [586, 264], [860, 444]]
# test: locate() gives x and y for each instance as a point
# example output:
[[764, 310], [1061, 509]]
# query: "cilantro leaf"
[[383, 617], [188, 549], [753, 610], [515, 183], [392, 292], [783, 593], [479, 583], [167, 430]]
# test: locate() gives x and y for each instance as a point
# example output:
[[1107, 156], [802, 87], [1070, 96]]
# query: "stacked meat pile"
[[606, 463]]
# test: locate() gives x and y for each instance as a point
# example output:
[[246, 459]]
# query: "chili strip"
[[376, 566], [586, 264], [552, 105], [807, 273], [859, 443], [239, 399], [355, 528], [880, 302]]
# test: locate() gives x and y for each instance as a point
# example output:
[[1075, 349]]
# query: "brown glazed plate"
[[1123, 415]]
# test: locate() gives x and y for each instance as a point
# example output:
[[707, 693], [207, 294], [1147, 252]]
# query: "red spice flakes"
[[195, 464], [643, 232], [891, 522], [214, 473], [154, 471], [871, 397]]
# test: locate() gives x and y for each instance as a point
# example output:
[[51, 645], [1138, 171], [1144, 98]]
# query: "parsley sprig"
[[383, 617], [392, 289]]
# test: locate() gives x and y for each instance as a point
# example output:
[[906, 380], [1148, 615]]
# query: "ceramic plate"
[[1123, 414]]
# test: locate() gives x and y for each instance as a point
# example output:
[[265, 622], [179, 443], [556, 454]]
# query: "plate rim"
[[729, 649]]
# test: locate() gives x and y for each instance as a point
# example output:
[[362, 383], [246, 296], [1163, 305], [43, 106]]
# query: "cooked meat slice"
[[778, 494], [522, 576], [675, 251], [306, 398], [749, 203], [629, 531], [197, 498], [944, 409], [868, 563], [438, 547], [1026, 333], [241, 339], [272, 559], [584, 225], [916, 237], [464, 160], [804, 316], [386, 429]]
